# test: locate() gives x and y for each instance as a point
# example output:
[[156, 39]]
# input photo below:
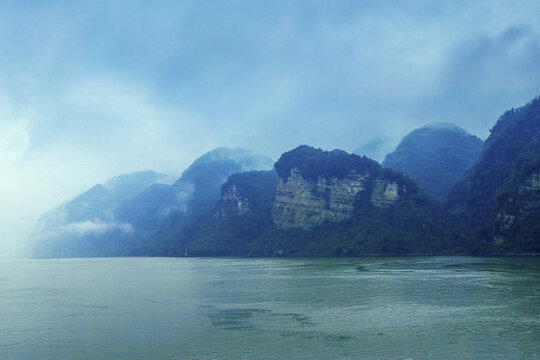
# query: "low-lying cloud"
[[93, 227]]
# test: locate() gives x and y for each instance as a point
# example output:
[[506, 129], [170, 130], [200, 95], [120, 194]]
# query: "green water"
[[200, 308]]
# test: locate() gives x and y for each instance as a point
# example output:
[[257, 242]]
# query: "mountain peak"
[[436, 156]]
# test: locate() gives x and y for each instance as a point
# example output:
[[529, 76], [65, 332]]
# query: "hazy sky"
[[95, 89]]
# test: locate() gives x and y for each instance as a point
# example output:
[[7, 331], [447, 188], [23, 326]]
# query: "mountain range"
[[441, 191]]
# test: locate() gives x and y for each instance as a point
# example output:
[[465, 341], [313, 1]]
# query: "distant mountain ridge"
[[122, 216], [89, 215]]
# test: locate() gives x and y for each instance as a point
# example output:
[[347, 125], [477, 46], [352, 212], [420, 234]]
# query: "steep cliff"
[[238, 218], [251, 191], [301, 203], [305, 200], [324, 204], [499, 197], [334, 203]]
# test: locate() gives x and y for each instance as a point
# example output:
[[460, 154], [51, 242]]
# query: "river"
[[266, 308]]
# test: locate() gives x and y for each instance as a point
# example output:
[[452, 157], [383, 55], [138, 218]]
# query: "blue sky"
[[90, 90]]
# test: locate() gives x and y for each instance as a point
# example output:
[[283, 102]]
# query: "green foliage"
[[314, 163], [491, 187], [225, 231], [436, 156], [407, 228], [414, 225]]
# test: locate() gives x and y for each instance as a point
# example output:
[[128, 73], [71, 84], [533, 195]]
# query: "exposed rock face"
[[499, 196], [517, 208], [529, 194], [247, 192], [304, 204], [385, 193], [233, 202]]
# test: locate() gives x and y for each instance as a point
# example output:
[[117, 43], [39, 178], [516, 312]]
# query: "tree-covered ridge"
[[409, 227], [436, 156], [259, 187], [413, 225], [490, 190], [225, 230], [313, 163], [130, 213], [90, 224], [508, 156]]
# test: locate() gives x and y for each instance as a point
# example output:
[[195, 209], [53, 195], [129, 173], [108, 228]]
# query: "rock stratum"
[[304, 203]]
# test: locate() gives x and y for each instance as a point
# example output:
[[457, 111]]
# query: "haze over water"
[[198, 308]]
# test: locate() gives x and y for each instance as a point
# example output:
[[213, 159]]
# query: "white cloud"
[[98, 227]]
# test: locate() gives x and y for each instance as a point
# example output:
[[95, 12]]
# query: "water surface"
[[208, 308]]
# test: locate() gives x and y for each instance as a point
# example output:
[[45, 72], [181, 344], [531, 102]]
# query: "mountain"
[[198, 187], [74, 225], [321, 203], [499, 197], [193, 197], [128, 214], [242, 214], [436, 156]]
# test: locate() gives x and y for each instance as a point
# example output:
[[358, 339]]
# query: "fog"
[[90, 91]]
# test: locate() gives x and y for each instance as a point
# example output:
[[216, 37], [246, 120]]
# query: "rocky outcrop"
[[233, 202], [304, 204], [516, 208], [301, 203], [529, 194], [499, 197], [247, 192], [385, 193]]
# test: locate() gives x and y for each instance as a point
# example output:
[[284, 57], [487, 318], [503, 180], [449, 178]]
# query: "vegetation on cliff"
[[412, 225], [314, 163], [489, 193]]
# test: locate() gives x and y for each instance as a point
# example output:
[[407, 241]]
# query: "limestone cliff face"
[[304, 204], [249, 192], [233, 202], [529, 194], [518, 207], [385, 193]]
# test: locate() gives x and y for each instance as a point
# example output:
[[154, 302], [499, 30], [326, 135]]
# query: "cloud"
[[376, 148], [507, 62], [89, 227], [487, 75]]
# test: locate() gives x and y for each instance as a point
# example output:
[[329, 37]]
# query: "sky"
[[91, 90]]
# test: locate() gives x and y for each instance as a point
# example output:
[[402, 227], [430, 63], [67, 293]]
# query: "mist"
[[91, 91]]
